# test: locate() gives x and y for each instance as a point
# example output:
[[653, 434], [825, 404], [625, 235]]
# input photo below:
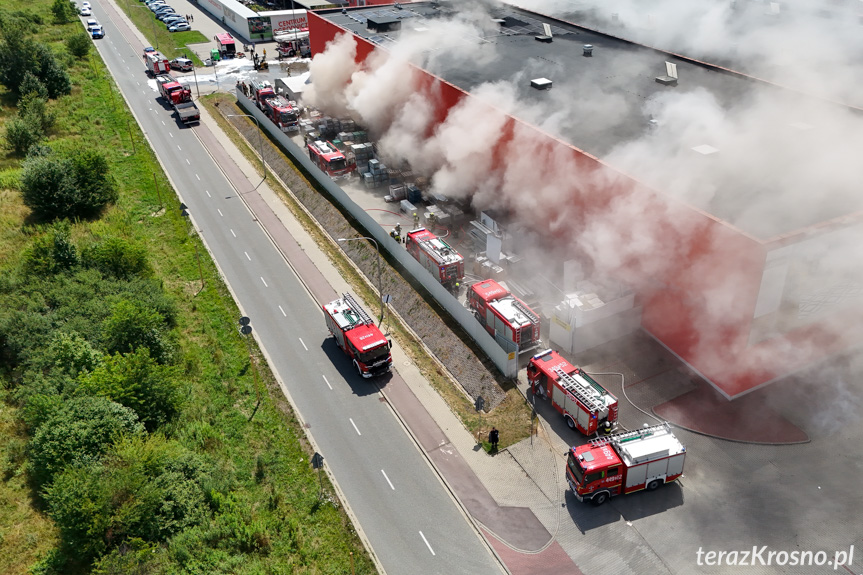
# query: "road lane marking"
[[199, 177], [265, 285], [247, 256], [170, 134], [427, 543], [209, 196], [358, 432], [232, 233], [304, 343], [220, 212], [393, 488], [187, 159], [139, 83], [327, 382], [284, 314], [178, 145], [163, 122]]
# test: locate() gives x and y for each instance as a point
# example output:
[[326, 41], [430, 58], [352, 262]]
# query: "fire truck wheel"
[[654, 485], [357, 367], [569, 422], [599, 498]]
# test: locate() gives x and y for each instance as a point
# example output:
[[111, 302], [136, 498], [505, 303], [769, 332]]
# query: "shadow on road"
[[628, 507], [359, 385]]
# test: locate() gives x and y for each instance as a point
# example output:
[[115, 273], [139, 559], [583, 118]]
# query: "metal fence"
[[474, 382]]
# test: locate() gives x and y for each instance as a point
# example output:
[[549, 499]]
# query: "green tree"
[[63, 11], [22, 134], [30, 84], [132, 326], [78, 44], [73, 354], [78, 433], [136, 381], [51, 253], [54, 186], [34, 108], [20, 55], [117, 257]]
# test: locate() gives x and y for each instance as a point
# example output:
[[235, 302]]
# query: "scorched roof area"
[[765, 159]]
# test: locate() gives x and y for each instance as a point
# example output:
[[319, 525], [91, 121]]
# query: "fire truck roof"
[[548, 360], [489, 290], [440, 251], [660, 444], [592, 458], [366, 337]]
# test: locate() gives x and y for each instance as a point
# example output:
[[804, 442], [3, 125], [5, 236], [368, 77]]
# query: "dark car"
[[182, 64], [173, 19]]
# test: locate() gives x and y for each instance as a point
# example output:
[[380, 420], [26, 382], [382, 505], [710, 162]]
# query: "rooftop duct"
[[541, 84], [546, 34], [670, 78]]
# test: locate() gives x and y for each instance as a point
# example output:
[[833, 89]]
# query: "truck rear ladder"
[[529, 313], [578, 389], [618, 438], [445, 254], [364, 317]]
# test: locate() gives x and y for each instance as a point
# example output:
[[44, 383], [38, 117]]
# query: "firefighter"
[[396, 234], [493, 438], [606, 427]]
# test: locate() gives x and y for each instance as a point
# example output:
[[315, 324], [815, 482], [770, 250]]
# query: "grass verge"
[[171, 44], [512, 416]]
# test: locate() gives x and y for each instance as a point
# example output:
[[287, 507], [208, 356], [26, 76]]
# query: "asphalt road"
[[409, 518]]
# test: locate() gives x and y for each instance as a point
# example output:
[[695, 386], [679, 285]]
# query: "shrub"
[[131, 326], [63, 11], [30, 84], [78, 45], [22, 134], [118, 258], [50, 253], [34, 108], [78, 433]]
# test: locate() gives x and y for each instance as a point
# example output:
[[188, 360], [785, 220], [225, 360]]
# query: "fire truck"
[[225, 45], [624, 463], [501, 312], [262, 90], [438, 257], [329, 159], [358, 336], [156, 64], [172, 91], [584, 403], [282, 113]]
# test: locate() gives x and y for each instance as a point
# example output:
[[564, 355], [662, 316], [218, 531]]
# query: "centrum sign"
[[763, 556]]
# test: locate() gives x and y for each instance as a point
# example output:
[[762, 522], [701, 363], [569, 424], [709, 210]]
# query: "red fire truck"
[[156, 64], [282, 113], [262, 91], [359, 337], [501, 312], [172, 91], [624, 463], [584, 403], [329, 159], [438, 257]]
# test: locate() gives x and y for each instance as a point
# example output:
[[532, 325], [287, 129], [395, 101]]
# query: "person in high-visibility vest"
[[606, 427]]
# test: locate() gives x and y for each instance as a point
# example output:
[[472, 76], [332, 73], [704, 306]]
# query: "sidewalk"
[[477, 479]]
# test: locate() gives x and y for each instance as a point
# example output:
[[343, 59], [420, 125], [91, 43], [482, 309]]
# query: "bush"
[[32, 85], [56, 187], [50, 253], [22, 134], [136, 381], [63, 11], [116, 257], [78, 433], [34, 108], [132, 326], [20, 56], [78, 45]]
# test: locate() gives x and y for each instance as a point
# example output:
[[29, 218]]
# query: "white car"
[[86, 5], [179, 27], [85, 11], [92, 23]]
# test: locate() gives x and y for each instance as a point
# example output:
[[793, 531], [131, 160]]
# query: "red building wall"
[[701, 303]]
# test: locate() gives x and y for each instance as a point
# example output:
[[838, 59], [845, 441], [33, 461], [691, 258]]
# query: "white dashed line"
[[283, 311], [220, 212], [304, 343], [327, 382], [163, 122], [232, 233], [187, 159], [178, 145], [355, 426], [427, 543], [247, 256], [391, 487], [170, 134], [199, 177], [265, 285], [208, 193]]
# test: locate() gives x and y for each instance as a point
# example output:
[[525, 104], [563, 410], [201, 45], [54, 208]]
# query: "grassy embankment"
[[170, 44], [257, 453], [511, 417]]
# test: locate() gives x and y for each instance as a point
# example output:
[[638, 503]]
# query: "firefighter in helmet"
[[396, 234], [606, 427]]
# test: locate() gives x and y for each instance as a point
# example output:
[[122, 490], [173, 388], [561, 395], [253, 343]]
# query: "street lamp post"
[[260, 145], [380, 288]]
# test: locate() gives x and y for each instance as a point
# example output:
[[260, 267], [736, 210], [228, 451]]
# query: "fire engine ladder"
[[442, 253], [534, 319], [577, 389], [630, 435], [361, 313]]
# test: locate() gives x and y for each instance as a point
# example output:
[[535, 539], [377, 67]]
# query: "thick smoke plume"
[[565, 205]]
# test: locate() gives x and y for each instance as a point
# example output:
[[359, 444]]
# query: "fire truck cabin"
[[503, 313], [584, 403], [329, 159], [438, 257], [282, 113], [225, 44], [625, 463], [358, 336]]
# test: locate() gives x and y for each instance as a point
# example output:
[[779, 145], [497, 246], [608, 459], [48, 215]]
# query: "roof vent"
[[588, 50], [670, 78], [705, 149], [615, 17], [541, 84], [546, 34]]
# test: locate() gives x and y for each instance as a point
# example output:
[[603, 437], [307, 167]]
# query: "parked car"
[[171, 21], [164, 10], [85, 11], [155, 6], [182, 64], [181, 27], [164, 16], [148, 49], [97, 32]]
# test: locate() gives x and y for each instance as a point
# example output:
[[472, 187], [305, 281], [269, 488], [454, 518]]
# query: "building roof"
[[777, 185]]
